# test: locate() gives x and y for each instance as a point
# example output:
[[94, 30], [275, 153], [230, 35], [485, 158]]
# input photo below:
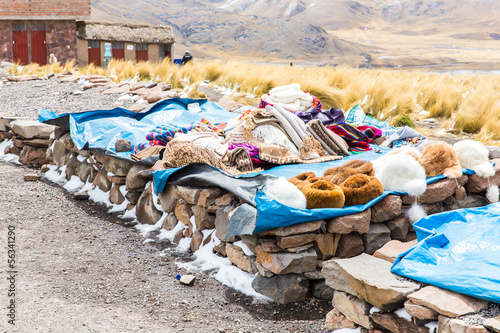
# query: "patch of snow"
[[166, 234], [80, 158], [366, 99], [374, 309], [126, 97], [56, 175], [424, 113], [8, 157], [433, 326], [129, 214], [403, 314], [74, 184], [99, 196], [244, 247]]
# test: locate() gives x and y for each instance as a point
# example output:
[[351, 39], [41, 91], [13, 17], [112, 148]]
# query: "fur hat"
[[440, 158], [285, 193], [323, 194], [360, 189], [400, 172], [474, 155], [339, 174], [302, 179]]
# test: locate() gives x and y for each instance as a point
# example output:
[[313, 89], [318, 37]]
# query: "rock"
[[145, 209], [269, 245], [116, 90], [222, 222], [188, 279], [300, 228], [227, 199], [88, 86], [420, 312], [23, 78], [229, 104], [471, 201], [392, 249], [438, 191], [137, 107], [377, 237], [119, 180], [30, 129], [12, 150], [202, 219], [183, 212], [320, 290], [236, 255], [221, 250], [350, 245], [189, 194], [447, 303], [178, 236], [167, 198], [295, 240], [386, 209], [122, 145], [396, 324], [337, 321], [493, 324], [170, 222], [326, 245], [6, 119], [284, 263], [359, 222], [196, 241], [283, 289], [33, 156], [314, 275], [81, 195], [60, 155], [39, 143], [478, 184], [133, 196], [262, 271], [207, 196], [102, 181], [138, 86], [115, 195], [31, 177], [460, 194], [399, 227], [353, 308], [251, 241], [449, 325], [117, 166], [157, 96], [368, 278]]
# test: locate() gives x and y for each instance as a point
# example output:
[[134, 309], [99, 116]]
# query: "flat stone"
[[183, 212], [450, 325], [23, 78], [251, 241], [350, 245], [326, 245], [170, 222], [189, 194], [115, 195], [6, 119], [420, 312], [33, 156], [119, 180], [222, 222], [295, 240], [320, 290], [370, 279], [392, 249], [447, 303], [30, 129], [136, 108], [493, 324], [353, 308], [207, 196], [471, 201], [221, 250], [203, 219], [300, 228], [236, 255], [284, 263], [167, 198], [122, 145], [359, 222], [337, 321], [117, 166], [478, 184], [88, 86], [102, 181], [396, 324], [377, 237], [117, 90], [283, 289], [145, 209], [133, 196], [227, 199], [270, 245], [158, 96], [314, 275], [438, 191], [31, 177], [399, 227], [39, 143], [262, 271], [386, 209], [196, 241]]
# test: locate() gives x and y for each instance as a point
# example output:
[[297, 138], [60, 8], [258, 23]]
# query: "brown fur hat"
[[440, 158], [359, 189], [302, 179], [323, 194], [340, 174]]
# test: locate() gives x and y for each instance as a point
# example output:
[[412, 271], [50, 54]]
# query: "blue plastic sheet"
[[457, 250]]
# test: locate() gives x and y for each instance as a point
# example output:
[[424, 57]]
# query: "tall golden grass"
[[470, 102]]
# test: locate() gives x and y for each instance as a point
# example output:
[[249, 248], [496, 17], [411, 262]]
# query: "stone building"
[[31, 30]]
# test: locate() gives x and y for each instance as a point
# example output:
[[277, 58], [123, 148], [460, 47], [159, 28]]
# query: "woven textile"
[[357, 140], [357, 117]]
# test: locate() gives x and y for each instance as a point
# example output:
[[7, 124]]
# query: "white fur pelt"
[[415, 213], [400, 172], [285, 193], [492, 194], [474, 155]]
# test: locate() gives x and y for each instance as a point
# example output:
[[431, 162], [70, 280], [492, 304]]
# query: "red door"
[[94, 52], [38, 48], [20, 43], [168, 54], [141, 52], [117, 50]]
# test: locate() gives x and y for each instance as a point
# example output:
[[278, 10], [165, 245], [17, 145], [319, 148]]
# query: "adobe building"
[[31, 30], [128, 42]]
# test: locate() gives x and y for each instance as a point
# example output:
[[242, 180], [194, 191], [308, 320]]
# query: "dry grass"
[[470, 102]]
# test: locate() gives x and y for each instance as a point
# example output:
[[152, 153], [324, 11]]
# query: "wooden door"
[[141, 52], [38, 46], [118, 50], [20, 43], [95, 52]]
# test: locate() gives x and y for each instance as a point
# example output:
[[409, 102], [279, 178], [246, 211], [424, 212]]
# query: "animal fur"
[[339, 174], [440, 158], [323, 194], [302, 179], [401, 172], [359, 189], [474, 155], [285, 193], [492, 193], [415, 213], [413, 152]]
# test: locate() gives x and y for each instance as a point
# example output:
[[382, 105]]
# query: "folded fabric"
[[440, 158], [370, 131], [357, 140], [340, 174], [209, 140], [403, 133], [359, 189], [331, 140], [147, 152], [290, 97], [239, 159], [323, 194], [327, 117], [252, 150]]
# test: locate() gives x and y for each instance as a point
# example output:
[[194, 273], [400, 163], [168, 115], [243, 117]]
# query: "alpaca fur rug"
[[339, 174], [474, 155], [323, 194], [285, 193], [360, 189], [400, 172], [440, 158]]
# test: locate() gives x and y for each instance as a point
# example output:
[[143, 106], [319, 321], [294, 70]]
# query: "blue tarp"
[[457, 250]]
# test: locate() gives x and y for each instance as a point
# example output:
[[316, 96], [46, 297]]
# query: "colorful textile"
[[327, 117], [253, 151], [357, 141], [357, 117], [370, 131]]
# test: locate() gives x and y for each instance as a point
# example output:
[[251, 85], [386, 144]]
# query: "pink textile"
[[253, 151]]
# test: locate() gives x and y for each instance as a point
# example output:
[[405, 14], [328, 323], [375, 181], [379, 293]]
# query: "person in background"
[[186, 58]]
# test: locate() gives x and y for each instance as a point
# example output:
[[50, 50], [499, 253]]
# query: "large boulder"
[[30, 129], [145, 210], [283, 289], [285, 262]]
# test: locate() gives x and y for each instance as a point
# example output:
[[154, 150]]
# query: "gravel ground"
[[81, 269]]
